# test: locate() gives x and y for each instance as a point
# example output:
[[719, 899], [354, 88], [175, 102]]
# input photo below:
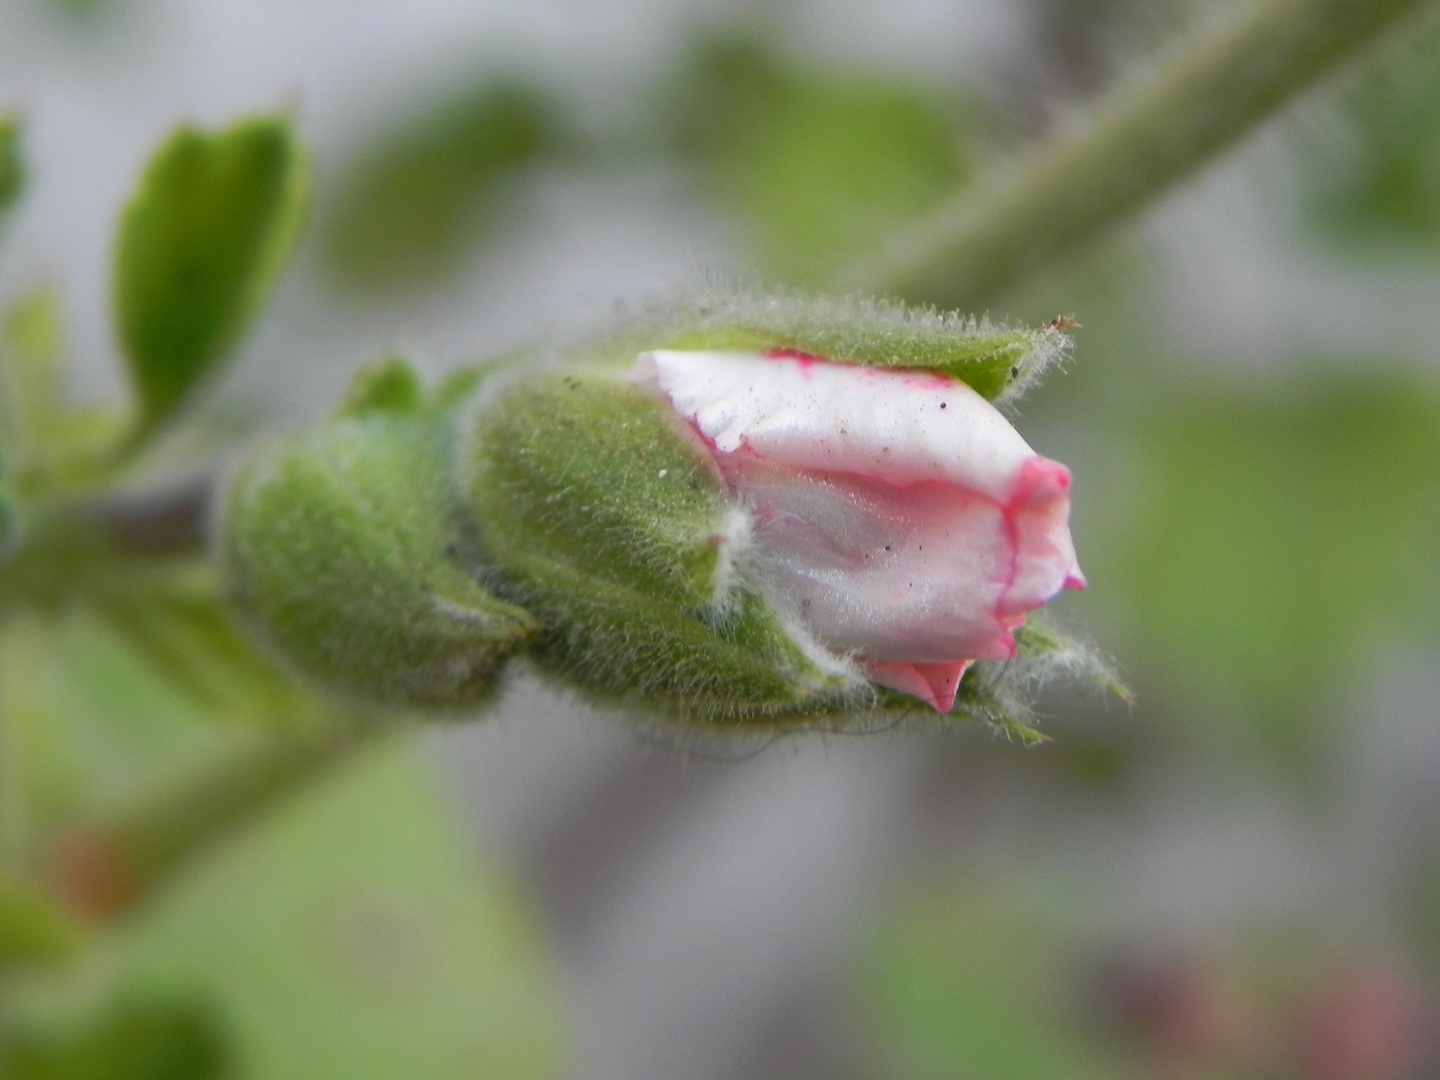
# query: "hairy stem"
[[1133, 142]]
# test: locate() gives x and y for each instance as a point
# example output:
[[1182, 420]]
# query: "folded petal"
[[898, 426]]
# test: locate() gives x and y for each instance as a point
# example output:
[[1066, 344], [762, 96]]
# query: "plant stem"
[[105, 869], [1137, 139]]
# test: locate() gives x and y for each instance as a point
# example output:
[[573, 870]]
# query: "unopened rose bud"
[[341, 543]]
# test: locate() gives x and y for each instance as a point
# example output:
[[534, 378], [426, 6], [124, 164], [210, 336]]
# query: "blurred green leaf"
[[88, 718], [187, 636], [135, 1040], [200, 245], [1270, 534], [355, 936], [419, 198], [30, 355], [33, 928], [818, 163], [984, 987], [12, 170], [48, 444], [1372, 179]]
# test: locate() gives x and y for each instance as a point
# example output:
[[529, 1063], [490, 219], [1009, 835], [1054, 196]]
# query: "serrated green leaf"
[[819, 163], [420, 197], [358, 936], [133, 1040], [34, 930], [200, 246], [12, 169]]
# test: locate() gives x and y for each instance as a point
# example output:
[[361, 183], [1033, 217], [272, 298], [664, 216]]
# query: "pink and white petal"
[[934, 684], [902, 427], [913, 574], [1037, 517]]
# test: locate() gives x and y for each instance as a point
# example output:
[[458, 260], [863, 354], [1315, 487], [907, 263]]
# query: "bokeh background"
[[1239, 876]]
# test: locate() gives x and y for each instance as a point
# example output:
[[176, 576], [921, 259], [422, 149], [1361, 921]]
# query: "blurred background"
[[1239, 876]]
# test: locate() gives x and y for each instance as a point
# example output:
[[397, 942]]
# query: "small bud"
[[341, 544], [618, 533], [896, 514]]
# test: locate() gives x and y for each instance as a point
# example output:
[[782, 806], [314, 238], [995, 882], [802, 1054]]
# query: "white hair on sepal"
[[733, 538]]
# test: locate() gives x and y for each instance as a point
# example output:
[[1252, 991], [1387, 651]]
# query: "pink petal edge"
[[935, 684]]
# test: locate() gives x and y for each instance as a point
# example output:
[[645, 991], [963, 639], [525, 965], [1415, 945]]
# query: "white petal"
[[898, 426]]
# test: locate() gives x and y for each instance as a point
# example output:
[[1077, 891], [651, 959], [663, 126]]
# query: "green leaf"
[[12, 169], [1270, 535], [34, 930], [134, 1040], [419, 198], [200, 246], [357, 936], [819, 163]]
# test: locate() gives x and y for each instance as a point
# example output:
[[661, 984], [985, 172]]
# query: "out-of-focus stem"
[[104, 869], [1134, 141]]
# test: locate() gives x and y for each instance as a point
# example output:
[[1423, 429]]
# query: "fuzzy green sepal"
[[606, 521], [342, 545], [997, 361]]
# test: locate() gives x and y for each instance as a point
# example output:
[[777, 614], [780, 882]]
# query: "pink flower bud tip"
[[895, 514]]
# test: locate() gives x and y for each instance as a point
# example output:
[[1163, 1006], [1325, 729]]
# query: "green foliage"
[[34, 930], [12, 168], [357, 937], [418, 199], [818, 163], [1270, 534], [343, 545], [611, 527], [200, 246], [133, 1040]]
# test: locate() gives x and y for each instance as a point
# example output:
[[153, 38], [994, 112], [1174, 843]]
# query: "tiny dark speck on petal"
[[805, 602], [944, 404], [887, 547]]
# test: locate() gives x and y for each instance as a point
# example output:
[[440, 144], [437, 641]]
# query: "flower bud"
[[615, 529], [342, 544], [895, 514]]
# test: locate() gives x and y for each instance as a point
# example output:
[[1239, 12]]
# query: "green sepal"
[[606, 521], [343, 545], [200, 246], [12, 168], [596, 475], [998, 362]]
